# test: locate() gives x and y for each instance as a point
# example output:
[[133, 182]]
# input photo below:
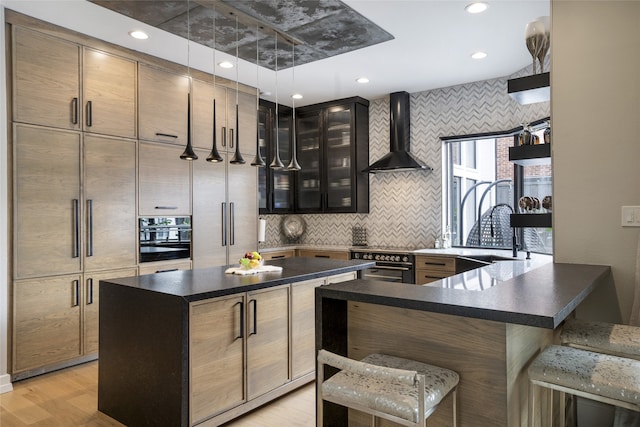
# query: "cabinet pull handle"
[[76, 293], [89, 227], [89, 291], [168, 269], [442, 264], [74, 111], [231, 142], [241, 334], [89, 113], [168, 135], [277, 256], [232, 226], [224, 136], [323, 256], [224, 223], [76, 229], [166, 207], [255, 317]]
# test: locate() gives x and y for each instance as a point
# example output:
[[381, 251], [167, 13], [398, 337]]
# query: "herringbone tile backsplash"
[[405, 207]]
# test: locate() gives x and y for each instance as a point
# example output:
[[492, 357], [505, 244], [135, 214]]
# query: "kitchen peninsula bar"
[[201, 347], [486, 324]]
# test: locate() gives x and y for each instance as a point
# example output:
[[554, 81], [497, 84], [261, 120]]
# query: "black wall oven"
[[165, 238], [391, 266]]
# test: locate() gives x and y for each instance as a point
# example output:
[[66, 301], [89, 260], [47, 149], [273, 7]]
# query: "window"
[[481, 185]]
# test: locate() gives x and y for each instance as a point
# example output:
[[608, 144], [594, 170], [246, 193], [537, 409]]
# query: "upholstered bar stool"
[[404, 391], [609, 338], [602, 377]]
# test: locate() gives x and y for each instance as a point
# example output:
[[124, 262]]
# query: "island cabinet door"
[[303, 349], [267, 340], [216, 354]]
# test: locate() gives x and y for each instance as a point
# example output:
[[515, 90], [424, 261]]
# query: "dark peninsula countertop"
[[203, 283], [531, 293]]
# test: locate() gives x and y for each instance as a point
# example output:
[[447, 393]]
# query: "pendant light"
[[214, 156], [293, 164], [258, 160], [237, 157], [188, 153], [276, 163]]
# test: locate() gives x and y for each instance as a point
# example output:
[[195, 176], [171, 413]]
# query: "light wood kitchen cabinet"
[[432, 268], [109, 94], [164, 180], [46, 321], [163, 100], [267, 340], [217, 356], [202, 134], [225, 224], [48, 75], [91, 301], [303, 344], [287, 253], [47, 203], [220, 328], [209, 210], [46, 80], [247, 121], [110, 202], [322, 253]]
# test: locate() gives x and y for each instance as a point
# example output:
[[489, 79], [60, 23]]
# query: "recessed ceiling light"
[[225, 64], [138, 34], [479, 55], [477, 7], [296, 96], [362, 80]]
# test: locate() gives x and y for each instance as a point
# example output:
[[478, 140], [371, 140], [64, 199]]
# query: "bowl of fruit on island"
[[251, 261]]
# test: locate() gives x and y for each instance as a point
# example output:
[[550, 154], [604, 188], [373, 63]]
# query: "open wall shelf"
[[530, 89], [530, 155], [541, 220]]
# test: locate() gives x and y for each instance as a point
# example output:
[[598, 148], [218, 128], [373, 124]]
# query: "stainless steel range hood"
[[399, 158]]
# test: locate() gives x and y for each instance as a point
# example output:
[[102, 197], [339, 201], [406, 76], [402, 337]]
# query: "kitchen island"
[[201, 347], [486, 324]]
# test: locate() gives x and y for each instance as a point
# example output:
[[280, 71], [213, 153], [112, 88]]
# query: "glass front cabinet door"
[[333, 151], [275, 186]]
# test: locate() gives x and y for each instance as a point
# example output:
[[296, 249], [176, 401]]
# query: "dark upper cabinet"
[[275, 186], [333, 150]]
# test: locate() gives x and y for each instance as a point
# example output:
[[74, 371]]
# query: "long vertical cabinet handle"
[[224, 136], [241, 334], [231, 143], [224, 223], [89, 227], [255, 317], [76, 293], [74, 111], [232, 226], [89, 113], [76, 228], [89, 291]]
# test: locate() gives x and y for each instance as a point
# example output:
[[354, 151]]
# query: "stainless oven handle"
[[388, 267]]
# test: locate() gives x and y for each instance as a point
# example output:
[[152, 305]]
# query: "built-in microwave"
[[164, 238]]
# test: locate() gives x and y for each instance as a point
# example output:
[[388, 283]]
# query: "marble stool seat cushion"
[[613, 377], [392, 389], [621, 340]]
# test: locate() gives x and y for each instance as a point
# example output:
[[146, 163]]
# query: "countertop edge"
[[367, 291]]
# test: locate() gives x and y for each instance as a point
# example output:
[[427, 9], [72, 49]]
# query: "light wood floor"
[[69, 398]]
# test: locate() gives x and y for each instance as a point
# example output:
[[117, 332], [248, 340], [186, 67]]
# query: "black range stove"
[[392, 265]]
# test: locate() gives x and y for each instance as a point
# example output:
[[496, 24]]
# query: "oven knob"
[[367, 256], [356, 255], [377, 258], [405, 259], [387, 258], [396, 258]]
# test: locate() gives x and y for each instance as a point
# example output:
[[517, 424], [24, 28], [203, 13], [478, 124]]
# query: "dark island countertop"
[[519, 292], [203, 283]]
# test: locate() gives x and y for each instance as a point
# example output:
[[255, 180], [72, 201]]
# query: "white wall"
[[5, 384], [595, 108]]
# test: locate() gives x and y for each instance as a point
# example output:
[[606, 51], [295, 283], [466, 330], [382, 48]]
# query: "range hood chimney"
[[399, 158]]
